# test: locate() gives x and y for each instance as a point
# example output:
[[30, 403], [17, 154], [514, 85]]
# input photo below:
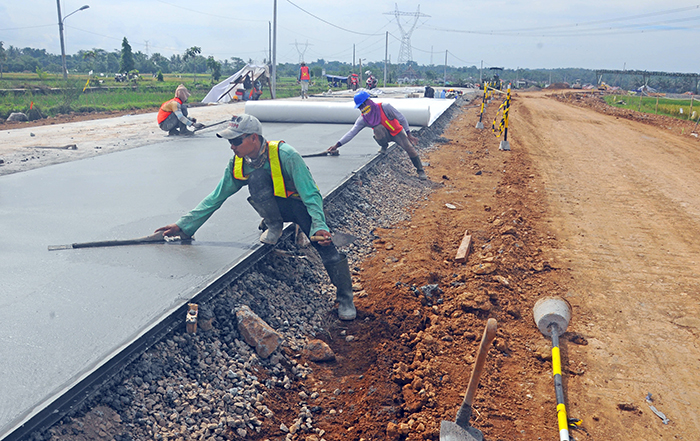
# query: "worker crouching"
[[172, 115], [388, 125], [281, 189]]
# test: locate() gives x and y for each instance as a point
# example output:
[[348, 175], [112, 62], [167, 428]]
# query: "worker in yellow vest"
[[304, 78], [281, 190], [172, 115], [388, 125]]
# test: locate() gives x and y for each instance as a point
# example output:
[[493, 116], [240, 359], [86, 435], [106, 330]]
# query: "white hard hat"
[[368, 72]]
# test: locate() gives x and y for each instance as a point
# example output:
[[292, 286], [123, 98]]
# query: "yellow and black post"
[[562, 420], [480, 125], [504, 144]]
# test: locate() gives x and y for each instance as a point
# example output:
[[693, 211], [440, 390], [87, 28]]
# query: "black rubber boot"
[[270, 213], [339, 273], [419, 167]]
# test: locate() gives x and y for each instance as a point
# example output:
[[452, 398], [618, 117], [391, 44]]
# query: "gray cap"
[[241, 125]]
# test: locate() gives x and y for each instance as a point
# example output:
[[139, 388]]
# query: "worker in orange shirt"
[[172, 116], [304, 78]]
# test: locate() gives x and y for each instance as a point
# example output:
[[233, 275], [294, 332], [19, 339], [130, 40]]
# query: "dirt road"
[[623, 200]]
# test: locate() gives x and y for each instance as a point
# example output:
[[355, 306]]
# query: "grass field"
[[686, 109], [50, 95]]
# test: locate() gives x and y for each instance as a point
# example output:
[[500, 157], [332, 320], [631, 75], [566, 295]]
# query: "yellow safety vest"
[[275, 169]]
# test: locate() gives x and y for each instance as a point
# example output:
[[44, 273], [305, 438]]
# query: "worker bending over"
[[388, 125], [172, 116], [281, 190]]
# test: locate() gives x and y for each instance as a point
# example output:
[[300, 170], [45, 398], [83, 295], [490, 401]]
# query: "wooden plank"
[[463, 250]]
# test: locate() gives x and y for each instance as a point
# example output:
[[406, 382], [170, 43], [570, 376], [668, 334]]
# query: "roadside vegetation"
[[681, 108]]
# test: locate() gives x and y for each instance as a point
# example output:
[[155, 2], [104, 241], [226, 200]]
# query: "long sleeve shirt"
[[296, 176], [360, 123]]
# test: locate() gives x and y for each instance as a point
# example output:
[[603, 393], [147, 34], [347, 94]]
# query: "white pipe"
[[416, 111]]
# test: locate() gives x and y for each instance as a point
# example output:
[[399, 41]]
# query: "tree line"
[[124, 60]]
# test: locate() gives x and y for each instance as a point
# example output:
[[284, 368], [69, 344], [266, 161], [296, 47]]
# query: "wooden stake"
[[463, 250]]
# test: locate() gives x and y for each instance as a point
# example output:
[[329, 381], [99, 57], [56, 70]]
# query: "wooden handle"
[[465, 411], [486, 340], [319, 238]]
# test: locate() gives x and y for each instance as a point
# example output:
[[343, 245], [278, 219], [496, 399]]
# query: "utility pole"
[[445, 80], [60, 30], [386, 55], [273, 80], [269, 40]]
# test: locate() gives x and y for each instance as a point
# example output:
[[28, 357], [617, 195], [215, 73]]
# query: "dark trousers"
[[172, 123], [291, 209]]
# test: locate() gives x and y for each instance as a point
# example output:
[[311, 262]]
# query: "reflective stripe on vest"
[[305, 73], [275, 170], [393, 125], [164, 114]]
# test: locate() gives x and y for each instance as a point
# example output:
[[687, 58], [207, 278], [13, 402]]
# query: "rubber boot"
[[419, 167], [383, 144], [270, 213], [339, 273]]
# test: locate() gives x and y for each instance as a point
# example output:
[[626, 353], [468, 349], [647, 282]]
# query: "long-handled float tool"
[[552, 316], [461, 430], [153, 238], [211, 125]]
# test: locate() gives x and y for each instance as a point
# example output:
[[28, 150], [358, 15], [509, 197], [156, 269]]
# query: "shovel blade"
[[450, 431]]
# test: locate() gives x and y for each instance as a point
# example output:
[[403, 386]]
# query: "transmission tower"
[[301, 52], [405, 52]]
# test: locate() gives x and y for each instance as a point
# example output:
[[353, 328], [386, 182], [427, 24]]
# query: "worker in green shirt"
[[281, 190]]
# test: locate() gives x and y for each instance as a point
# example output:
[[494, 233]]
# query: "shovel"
[[153, 238], [339, 239], [460, 430]]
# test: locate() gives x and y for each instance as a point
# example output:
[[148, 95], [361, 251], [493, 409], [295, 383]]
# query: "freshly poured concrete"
[[67, 312]]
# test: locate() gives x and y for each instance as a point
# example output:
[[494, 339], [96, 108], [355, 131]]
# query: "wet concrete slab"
[[67, 312]]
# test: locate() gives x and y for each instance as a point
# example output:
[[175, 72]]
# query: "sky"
[[614, 34]]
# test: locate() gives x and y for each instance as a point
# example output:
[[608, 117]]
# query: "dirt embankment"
[[596, 208]]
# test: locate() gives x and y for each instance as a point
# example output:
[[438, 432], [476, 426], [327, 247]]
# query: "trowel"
[[153, 238], [339, 239], [461, 430]]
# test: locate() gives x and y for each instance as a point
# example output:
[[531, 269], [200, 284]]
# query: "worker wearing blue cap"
[[388, 125]]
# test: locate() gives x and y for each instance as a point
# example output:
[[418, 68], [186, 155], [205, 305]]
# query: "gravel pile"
[[212, 385]]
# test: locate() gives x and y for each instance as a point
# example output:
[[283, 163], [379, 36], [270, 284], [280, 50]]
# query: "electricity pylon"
[[405, 51]]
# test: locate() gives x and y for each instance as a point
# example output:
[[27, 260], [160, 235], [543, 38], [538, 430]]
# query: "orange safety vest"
[[164, 114], [392, 125], [305, 73], [275, 169]]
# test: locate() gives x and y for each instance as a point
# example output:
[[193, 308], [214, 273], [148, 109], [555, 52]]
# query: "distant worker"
[[281, 190], [388, 125], [247, 87], [304, 78], [172, 116]]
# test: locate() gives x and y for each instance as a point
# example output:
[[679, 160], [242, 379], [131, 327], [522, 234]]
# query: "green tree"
[[126, 62], [215, 68], [3, 58], [191, 54]]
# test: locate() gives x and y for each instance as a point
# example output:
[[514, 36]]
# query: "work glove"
[[198, 126]]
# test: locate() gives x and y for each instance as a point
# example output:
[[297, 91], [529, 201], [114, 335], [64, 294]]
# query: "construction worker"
[[304, 78], [388, 125], [172, 116], [281, 190]]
